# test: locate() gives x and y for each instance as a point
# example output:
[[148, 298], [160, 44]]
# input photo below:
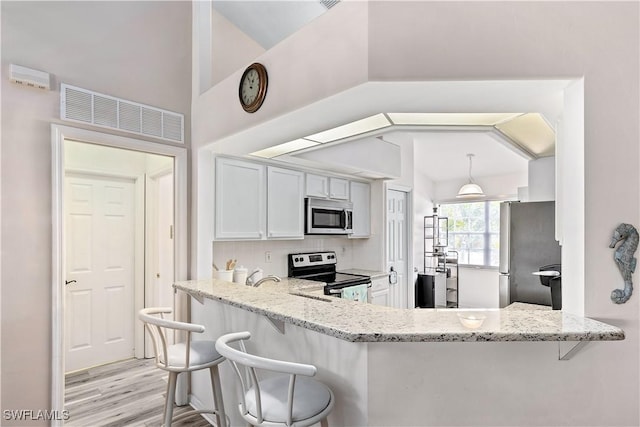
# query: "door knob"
[[68, 282]]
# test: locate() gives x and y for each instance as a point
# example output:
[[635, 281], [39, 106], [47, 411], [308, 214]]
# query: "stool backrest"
[[245, 365], [158, 327]]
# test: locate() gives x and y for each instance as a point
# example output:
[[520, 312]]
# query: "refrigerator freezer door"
[[503, 287], [505, 236]]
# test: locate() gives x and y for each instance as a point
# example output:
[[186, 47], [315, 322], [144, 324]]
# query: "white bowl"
[[471, 320]]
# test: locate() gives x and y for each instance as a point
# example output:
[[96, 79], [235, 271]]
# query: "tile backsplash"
[[252, 254]]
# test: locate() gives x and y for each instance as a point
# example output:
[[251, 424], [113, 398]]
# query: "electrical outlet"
[[267, 256]]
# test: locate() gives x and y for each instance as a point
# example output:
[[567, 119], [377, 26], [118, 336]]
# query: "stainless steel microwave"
[[328, 216]]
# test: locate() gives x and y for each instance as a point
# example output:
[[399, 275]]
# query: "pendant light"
[[471, 189]]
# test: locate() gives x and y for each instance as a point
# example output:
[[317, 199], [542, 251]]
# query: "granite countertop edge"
[[301, 303]]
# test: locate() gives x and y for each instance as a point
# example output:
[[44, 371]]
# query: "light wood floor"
[[128, 393]]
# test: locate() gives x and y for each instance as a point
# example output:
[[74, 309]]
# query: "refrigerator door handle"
[[505, 237]]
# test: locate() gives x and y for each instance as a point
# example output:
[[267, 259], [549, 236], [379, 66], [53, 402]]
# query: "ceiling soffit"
[[529, 134]]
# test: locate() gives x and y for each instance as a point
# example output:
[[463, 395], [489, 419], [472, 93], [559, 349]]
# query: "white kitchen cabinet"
[[338, 188], [325, 187], [285, 203], [380, 291], [240, 195], [317, 186], [360, 193]]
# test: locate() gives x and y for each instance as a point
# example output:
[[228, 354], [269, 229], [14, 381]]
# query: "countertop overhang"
[[302, 303]]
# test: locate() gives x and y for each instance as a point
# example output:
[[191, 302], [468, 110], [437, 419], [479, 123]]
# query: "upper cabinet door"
[[285, 203], [361, 199], [338, 188], [317, 186], [240, 199]]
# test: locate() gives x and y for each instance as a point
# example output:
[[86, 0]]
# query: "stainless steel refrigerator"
[[527, 242]]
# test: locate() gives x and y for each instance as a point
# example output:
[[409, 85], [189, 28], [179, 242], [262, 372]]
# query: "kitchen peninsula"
[[376, 359]]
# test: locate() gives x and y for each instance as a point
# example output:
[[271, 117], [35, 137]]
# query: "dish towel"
[[355, 293]]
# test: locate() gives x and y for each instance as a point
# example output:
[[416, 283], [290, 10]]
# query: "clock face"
[[250, 86], [253, 87]]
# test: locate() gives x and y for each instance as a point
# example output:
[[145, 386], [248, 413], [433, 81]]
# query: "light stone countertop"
[[302, 303]]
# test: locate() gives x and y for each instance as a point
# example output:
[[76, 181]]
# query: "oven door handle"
[[339, 291]]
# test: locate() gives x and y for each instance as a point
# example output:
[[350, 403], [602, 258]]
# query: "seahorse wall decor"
[[623, 256]]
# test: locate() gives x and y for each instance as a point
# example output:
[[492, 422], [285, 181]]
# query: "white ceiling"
[[269, 22], [442, 155]]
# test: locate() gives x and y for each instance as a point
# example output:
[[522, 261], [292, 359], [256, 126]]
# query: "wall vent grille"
[[85, 106], [329, 3]]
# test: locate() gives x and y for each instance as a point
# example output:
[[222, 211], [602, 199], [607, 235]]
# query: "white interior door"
[[397, 246], [99, 255], [165, 268]]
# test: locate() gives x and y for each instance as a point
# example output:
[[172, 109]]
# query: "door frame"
[[409, 238], [60, 133], [151, 226]]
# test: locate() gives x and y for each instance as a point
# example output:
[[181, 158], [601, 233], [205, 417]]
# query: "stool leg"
[[324, 423], [168, 403], [217, 396]]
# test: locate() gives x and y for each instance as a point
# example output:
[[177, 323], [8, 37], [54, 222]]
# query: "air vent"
[[329, 3], [81, 105]]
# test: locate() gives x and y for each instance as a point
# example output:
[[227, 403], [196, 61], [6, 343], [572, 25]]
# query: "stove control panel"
[[312, 259]]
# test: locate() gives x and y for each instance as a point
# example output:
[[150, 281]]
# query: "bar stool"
[[183, 357], [276, 401]]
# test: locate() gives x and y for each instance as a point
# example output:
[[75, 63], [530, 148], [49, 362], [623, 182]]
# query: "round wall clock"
[[253, 87]]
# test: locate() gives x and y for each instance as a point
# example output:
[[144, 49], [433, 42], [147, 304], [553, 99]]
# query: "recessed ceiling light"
[[533, 131], [358, 127], [287, 147]]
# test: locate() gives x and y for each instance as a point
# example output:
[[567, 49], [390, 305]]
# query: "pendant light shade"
[[471, 189]]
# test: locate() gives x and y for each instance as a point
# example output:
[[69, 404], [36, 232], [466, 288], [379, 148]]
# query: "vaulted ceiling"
[[504, 149]]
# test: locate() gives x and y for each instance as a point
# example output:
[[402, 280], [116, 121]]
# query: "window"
[[474, 232]]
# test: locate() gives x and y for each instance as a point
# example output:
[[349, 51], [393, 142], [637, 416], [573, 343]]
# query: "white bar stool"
[[276, 401], [183, 357]]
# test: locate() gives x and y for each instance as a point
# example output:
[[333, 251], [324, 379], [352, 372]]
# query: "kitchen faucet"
[[266, 279]]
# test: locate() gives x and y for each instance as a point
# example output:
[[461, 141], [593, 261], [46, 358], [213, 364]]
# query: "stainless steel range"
[[321, 267]]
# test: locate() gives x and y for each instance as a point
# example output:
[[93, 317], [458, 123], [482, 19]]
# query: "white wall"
[[135, 50], [231, 49], [542, 179], [326, 56], [78, 155], [423, 189], [466, 41]]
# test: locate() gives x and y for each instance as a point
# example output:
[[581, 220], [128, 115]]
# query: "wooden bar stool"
[[183, 357], [292, 399]]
